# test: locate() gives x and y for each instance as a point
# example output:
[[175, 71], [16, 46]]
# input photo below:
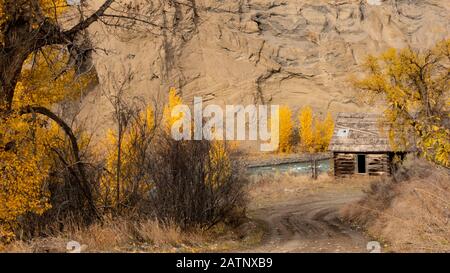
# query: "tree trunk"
[[25, 31], [119, 164], [12, 58]]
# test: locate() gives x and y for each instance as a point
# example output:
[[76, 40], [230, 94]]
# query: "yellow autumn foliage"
[[323, 132], [286, 130], [173, 101], [306, 129], [26, 140], [53, 8], [415, 87], [133, 140], [24, 168], [2, 17], [50, 9], [44, 84], [219, 170], [315, 134], [2, 21]]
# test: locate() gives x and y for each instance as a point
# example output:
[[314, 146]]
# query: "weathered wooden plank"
[[344, 164], [378, 164]]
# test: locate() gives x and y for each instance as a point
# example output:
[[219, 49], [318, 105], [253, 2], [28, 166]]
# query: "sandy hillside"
[[278, 51]]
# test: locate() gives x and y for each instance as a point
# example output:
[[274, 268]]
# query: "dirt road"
[[309, 224]]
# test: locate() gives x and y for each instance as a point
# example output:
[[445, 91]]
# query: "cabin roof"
[[360, 132]]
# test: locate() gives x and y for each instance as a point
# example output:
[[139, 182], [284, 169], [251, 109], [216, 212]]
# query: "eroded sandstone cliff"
[[266, 51]]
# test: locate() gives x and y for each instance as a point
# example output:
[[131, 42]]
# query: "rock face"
[[265, 51]]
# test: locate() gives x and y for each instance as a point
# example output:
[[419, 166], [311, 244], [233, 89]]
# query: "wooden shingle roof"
[[360, 132]]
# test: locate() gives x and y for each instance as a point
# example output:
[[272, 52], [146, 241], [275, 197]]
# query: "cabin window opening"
[[361, 163]]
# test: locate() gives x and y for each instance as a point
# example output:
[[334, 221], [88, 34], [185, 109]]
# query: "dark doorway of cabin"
[[361, 163]]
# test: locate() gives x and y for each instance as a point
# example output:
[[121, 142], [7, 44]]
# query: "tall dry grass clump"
[[116, 235], [410, 212]]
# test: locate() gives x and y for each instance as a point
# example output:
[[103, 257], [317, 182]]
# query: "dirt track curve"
[[311, 224]]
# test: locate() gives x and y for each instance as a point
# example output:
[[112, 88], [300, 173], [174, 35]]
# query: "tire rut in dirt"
[[307, 222]]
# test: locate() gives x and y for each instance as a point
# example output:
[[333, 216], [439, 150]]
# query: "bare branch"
[[91, 19], [86, 189]]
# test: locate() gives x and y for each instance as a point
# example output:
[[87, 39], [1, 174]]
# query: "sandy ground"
[[300, 215]]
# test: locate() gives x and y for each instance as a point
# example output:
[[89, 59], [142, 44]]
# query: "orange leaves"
[[44, 83], [53, 8], [286, 130], [414, 87], [315, 134], [26, 140], [220, 168], [134, 140], [174, 100], [306, 129], [24, 169]]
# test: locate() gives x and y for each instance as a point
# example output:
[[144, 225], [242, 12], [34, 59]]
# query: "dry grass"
[[410, 215], [122, 235], [111, 236], [268, 189]]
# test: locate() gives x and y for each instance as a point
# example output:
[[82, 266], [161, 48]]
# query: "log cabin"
[[360, 145]]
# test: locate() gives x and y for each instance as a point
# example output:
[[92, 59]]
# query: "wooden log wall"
[[344, 164], [378, 164]]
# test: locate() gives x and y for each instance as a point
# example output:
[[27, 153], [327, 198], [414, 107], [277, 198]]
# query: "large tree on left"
[[28, 26], [40, 63]]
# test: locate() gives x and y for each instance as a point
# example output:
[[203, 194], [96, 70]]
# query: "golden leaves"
[[3, 18], [414, 86], [315, 134], [136, 136], [305, 118], [286, 130], [50, 9], [24, 168], [53, 8], [219, 169], [26, 140], [46, 79], [174, 100]]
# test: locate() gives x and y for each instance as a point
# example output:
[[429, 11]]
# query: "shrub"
[[408, 211], [194, 183]]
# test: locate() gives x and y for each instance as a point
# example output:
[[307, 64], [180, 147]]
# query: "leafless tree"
[[128, 112], [123, 112]]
